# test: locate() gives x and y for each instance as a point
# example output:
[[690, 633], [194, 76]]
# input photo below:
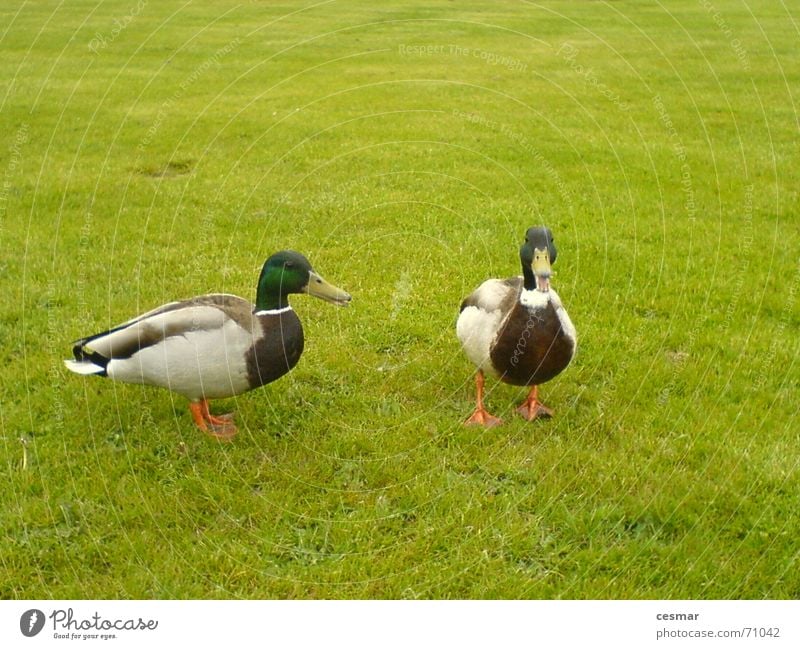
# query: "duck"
[[517, 330], [212, 346]]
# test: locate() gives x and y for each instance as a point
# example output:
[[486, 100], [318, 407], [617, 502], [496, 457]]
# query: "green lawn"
[[154, 151]]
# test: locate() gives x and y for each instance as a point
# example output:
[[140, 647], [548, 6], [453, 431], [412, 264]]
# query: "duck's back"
[[195, 347]]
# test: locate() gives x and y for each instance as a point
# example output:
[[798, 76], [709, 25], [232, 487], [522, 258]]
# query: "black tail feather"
[[81, 353]]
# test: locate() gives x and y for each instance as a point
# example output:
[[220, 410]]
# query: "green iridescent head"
[[537, 255], [288, 272]]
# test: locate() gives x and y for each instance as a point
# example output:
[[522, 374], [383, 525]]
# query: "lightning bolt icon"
[[32, 620]]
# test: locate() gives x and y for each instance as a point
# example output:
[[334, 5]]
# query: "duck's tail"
[[84, 367]]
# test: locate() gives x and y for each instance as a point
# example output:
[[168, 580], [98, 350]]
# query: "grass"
[[168, 153]]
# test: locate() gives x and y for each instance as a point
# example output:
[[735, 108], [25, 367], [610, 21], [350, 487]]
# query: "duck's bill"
[[541, 269], [318, 287]]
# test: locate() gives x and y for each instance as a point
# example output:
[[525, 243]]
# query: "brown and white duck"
[[517, 330]]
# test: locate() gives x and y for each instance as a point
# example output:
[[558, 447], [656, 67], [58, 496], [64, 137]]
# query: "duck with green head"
[[517, 329], [212, 346]]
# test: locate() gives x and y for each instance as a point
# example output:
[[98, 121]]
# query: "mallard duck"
[[211, 346], [517, 329]]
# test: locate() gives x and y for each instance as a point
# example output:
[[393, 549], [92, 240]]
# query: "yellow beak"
[[541, 268], [318, 287]]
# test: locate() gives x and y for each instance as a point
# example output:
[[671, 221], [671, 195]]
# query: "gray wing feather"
[[494, 294], [174, 319]]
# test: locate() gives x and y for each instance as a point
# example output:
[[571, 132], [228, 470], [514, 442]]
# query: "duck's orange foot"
[[532, 408], [220, 420], [224, 431], [218, 426], [535, 410], [481, 417]]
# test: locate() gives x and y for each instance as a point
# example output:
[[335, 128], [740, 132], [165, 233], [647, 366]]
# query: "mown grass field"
[[155, 151]]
